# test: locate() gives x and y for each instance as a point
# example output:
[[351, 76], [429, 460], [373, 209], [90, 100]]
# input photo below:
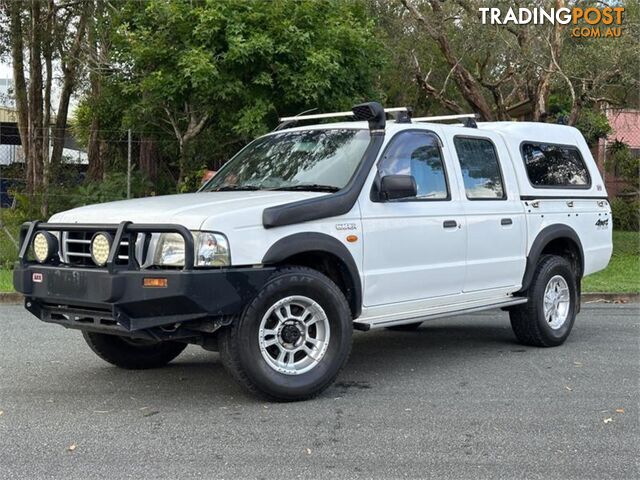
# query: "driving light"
[[100, 248], [45, 246], [210, 249]]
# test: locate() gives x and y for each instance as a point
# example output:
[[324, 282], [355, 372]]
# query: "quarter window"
[[417, 154], [480, 168], [555, 166]]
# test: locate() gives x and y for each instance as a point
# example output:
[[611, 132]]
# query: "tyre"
[[407, 327], [292, 340], [130, 353], [547, 318]]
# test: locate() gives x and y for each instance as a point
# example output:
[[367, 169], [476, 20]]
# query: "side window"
[[559, 166], [417, 154], [480, 168]]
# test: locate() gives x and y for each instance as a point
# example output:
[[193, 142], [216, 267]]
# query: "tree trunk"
[[36, 125], [469, 86], [94, 151], [149, 158], [47, 51], [194, 127], [182, 163], [17, 57], [69, 68]]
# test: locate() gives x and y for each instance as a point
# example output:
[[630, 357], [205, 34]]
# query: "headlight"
[[45, 246], [100, 247], [211, 250]]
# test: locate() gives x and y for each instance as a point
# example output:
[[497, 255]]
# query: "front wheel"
[[130, 353], [293, 339], [547, 318]]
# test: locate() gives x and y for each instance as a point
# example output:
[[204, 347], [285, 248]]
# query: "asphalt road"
[[456, 399]]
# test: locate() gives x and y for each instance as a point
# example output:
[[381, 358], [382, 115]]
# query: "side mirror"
[[393, 187]]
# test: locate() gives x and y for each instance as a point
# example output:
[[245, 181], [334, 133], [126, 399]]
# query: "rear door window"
[[555, 166], [480, 168]]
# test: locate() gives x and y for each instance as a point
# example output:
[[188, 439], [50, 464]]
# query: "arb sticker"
[[37, 277]]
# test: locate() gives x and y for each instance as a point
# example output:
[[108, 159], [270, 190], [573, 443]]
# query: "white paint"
[[410, 266]]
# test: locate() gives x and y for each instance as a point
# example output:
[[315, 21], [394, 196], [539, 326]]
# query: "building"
[[625, 127]]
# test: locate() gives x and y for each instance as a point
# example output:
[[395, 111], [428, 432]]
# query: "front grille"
[[76, 248]]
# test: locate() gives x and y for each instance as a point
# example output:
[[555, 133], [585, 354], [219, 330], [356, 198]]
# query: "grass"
[[622, 274], [6, 282]]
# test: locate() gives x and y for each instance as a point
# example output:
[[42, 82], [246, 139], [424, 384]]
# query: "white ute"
[[312, 231]]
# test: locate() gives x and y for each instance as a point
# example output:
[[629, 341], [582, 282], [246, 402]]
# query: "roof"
[[8, 115], [533, 131], [625, 126]]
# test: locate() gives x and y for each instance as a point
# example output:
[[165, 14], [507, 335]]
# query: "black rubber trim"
[[546, 235], [562, 197], [330, 205], [306, 242]]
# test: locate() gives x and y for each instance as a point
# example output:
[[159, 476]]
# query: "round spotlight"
[[100, 248], [45, 246]]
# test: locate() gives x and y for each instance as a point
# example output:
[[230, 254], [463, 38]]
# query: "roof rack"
[[349, 113], [370, 111], [443, 117], [375, 115]]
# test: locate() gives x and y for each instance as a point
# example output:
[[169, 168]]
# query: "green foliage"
[[112, 188], [243, 64], [623, 272], [624, 164], [626, 214], [6, 281], [10, 220], [233, 66], [593, 125]]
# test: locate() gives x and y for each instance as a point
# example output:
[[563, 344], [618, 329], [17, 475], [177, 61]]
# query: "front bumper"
[[114, 299]]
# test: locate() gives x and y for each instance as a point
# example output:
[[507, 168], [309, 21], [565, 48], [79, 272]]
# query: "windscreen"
[[321, 160]]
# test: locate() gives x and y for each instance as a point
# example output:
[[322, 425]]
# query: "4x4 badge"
[[346, 226], [602, 223]]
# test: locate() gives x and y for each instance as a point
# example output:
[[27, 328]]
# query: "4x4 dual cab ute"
[[312, 231]]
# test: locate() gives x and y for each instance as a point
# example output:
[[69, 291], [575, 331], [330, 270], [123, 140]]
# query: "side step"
[[379, 322]]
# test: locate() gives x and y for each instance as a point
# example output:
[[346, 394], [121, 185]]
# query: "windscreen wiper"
[[313, 187], [246, 188]]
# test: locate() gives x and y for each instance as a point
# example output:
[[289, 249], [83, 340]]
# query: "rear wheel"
[[293, 339], [131, 353], [547, 318]]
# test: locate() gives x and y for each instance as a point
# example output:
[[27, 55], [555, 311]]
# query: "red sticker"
[[37, 278]]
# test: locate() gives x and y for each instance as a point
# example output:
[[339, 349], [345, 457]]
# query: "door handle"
[[449, 224], [506, 221]]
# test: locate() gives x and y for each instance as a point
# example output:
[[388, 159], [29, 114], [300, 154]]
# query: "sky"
[[5, 70]]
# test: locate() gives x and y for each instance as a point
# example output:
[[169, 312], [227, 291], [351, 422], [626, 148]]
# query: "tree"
[[489, 69], [49, 35], [193, 65]]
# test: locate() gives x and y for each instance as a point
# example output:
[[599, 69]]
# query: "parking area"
[[456, 399]]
